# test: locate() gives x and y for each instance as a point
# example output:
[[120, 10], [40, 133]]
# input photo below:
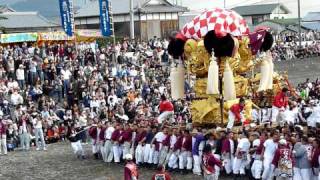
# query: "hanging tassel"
[[264, 70], [177, 82], [213, 76], [228, 80], [271, 70]]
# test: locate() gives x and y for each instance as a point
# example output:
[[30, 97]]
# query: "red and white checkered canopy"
[[220, 20]]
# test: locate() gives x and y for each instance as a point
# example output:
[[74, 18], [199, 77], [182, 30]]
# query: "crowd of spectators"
[[287, 46], [58, 85]]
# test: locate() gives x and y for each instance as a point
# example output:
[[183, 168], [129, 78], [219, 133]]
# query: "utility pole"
[[131, 20], [112, 23], [224, 4], [299, 19]]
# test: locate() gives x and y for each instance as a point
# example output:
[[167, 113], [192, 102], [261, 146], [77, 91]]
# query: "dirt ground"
[[299, 70], [59, 163]]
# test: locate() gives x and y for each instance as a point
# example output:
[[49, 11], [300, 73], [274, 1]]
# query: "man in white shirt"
[[256, 168], [12, 84], [107, 154], [133, 72], [66, 74], [94, 103], [3, 137], [315, 115], [157, 140], [112, 99], [37, 123], [255, 115], [269, 148], [173, 140], [240, 161], [16, 98], [20, 76], [24, 132], [290, 115]]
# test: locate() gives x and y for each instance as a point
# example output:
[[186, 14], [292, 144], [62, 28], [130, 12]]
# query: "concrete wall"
[[299, 70]]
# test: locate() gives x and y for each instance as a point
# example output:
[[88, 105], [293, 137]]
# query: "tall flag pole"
[[112, 24], [67, 16]]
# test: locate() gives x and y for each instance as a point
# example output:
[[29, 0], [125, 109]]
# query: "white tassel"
[[177, 82], [271, 71], [265, 74], [213, 77], [228, 80]]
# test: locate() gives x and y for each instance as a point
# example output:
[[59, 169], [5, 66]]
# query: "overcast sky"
[[306, 5]]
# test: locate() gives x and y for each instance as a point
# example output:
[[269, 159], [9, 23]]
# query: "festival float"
[[228, 62]]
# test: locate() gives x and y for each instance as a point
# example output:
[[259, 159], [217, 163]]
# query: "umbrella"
[[220, 20]]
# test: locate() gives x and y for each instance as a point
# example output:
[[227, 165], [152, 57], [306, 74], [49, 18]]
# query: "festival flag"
[[67, 16], [105, 23]]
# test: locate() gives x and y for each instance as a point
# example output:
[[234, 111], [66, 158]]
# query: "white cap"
[[128, 157], [283, 142], [253, 125]]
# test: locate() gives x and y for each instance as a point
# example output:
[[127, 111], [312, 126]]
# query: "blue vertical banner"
[[105, 23], [67, 16]]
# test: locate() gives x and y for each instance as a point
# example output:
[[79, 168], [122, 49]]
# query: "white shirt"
[[94, 103], [114, 100], [244, 145], [173, 140], [24, 126], [270, 148], [109, 132], [102, 56], [290, 116], [38, 124], [20, 74], [314, 117], [114, 71], [83, 120], [160, 136], [133, 73], [255, 115], [16, 99], [161, 89], [13, 85], [256, 143], [66, 74]]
